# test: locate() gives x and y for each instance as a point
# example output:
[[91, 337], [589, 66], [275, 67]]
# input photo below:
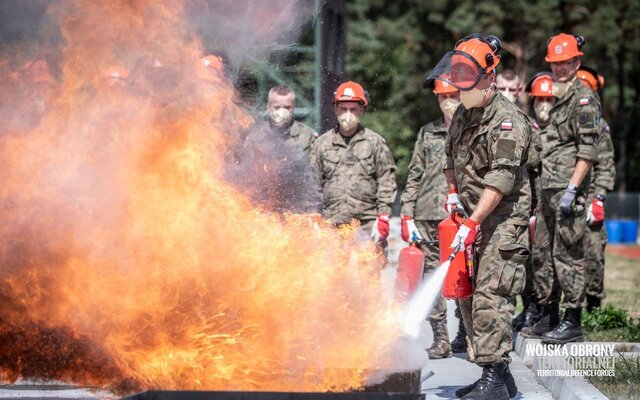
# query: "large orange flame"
[[119, 232]]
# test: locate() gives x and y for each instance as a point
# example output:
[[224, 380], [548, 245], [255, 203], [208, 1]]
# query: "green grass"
[[622, 282], [626, 382]]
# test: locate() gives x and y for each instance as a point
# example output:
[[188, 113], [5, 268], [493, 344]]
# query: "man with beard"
[[355, 168], [568, 151], [421, 209]]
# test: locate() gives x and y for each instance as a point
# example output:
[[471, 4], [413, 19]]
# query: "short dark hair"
[[508, 74], [281, 90]]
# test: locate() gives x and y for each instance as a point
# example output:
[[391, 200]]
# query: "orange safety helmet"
[[473, 58], [563, 47], [592, 79], [351, 91], [541, 85], [444, 87]]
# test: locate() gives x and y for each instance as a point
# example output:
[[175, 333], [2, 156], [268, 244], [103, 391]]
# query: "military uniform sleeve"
[[604, 168], [508, 147], [448, 149], [385, 172], [315, 159], [587, 124], [416, 171]]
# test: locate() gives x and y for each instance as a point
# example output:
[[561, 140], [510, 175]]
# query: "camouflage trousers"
[[559, 262], [429, 231], [595, 240], [501, 254]]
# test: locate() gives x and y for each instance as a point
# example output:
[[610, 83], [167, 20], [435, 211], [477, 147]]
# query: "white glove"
[[408, 230], [460, 237], [453, 201], [590, 217]]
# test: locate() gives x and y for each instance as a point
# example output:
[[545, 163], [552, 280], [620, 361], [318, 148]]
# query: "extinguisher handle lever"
[[460, 211]]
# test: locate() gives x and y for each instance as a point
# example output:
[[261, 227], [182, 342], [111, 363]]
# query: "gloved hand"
[[595, 212], [409, 231], [566, 202], [380, 229], [453, 201], [467, 234]]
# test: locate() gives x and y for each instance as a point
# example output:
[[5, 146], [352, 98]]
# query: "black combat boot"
[[491, 385], [570, 330], [548, 321], [525, 318], [509, 382], [593, 302], [459, 343]]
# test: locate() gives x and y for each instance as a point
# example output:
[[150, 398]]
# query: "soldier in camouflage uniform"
[[603, 177], [355, 168], [568, 150], [542, 101], [280, 105], [486, 151], [421, 201]]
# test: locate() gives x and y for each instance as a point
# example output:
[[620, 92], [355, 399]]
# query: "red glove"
[[380, 229], [409, 231], [467, 234], [595, 212]]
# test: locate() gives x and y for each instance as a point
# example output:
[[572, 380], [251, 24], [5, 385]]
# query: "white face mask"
[[448, 107], [472, 98], [542, 110], [348, 121], [281, 117]]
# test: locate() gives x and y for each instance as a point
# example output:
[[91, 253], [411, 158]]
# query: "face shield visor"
[[458, 69]]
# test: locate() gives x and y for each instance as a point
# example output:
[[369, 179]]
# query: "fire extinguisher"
[[409, 273], [410, 268], [458, 283]]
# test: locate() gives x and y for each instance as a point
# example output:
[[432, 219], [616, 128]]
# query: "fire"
[[123, 244]]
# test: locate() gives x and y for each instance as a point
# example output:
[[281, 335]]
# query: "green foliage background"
[[392, 45]]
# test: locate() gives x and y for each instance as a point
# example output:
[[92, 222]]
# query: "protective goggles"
[[458, 69]]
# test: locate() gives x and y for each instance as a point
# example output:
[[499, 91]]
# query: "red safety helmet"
[[541, 85], [443, 87], [563, 47], [592, 79], [472, 59], [351, 91]]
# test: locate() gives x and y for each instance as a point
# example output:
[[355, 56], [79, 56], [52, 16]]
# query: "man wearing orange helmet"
[[420, 202], [603, 177], [568, 150], [355, 167], [486, 151], [540, 89]]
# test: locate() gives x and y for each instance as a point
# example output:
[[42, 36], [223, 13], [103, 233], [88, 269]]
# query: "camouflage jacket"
[[488, 147], [603, 176], [426, 188], [534, 164], [357, 178], [296, 132], [572, 133]]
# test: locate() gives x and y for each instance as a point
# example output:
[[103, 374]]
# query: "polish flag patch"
[[506, 126], [584, 101]]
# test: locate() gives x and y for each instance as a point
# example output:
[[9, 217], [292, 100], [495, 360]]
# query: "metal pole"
[[317, 100]]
